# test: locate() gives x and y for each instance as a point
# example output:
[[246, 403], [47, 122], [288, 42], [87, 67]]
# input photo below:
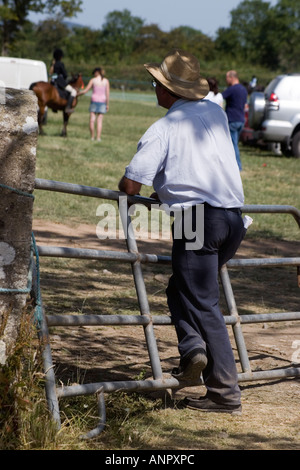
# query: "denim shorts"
[[97, 108]]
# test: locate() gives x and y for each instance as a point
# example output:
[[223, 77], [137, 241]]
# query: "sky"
[[204, 15]]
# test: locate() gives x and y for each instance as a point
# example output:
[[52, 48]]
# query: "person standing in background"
[[236, 99], [214, 94], [99, 101]]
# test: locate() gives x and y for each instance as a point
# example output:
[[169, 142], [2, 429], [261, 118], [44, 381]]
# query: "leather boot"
[[69, 108]]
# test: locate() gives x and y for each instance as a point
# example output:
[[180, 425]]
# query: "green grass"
[[267, 179], [77, 159], [271, 180]]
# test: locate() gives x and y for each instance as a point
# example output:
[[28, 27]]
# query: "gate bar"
[[236, 327], [162, 384], [110, 255], [82, 190], [140, 290], [142, 320]]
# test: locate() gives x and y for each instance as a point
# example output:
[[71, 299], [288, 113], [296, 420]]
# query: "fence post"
[[18, 142]]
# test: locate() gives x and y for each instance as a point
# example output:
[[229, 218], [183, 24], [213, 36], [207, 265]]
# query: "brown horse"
[[48, 95]]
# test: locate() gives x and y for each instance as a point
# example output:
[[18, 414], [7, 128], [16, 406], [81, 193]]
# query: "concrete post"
[[18, 142]]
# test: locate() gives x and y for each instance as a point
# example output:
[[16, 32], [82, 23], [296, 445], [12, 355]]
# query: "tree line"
[[259, 35]]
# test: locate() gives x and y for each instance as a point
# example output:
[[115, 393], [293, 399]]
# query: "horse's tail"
[[32, 86]]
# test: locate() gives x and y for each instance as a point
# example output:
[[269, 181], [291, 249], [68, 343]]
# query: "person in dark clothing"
[[59, 77], [236, 98]]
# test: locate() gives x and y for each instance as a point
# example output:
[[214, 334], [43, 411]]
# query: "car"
[[274, 115]]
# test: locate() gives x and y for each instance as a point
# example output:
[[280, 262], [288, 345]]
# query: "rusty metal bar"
[[82, 190], [162, 384], [273, 209], [123, 256], [129, 320], [140, 290], [236, 327]]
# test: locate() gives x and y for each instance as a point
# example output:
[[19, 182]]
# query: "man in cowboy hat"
[[189, 159]]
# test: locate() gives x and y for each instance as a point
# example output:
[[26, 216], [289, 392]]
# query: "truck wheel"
[[296, 145], [257, 106]]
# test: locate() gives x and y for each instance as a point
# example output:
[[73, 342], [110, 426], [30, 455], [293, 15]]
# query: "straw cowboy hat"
[[180, 73]]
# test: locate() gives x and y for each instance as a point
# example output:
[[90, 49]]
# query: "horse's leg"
[[66, 119], [41, 113]]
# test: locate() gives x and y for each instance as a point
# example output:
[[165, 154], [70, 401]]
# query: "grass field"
[[135, 422]]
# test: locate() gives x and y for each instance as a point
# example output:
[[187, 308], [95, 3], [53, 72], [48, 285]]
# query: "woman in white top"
[[214, 94], [99, 101]]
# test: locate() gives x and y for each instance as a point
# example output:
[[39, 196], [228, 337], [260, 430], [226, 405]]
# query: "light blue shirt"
[[189, 158]]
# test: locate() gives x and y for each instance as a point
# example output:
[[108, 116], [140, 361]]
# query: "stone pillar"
[[18, 142]]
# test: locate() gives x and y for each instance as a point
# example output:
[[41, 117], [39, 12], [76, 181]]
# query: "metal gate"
[[136, 260]]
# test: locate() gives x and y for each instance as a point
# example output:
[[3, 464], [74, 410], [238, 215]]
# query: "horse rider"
[[59, 77]]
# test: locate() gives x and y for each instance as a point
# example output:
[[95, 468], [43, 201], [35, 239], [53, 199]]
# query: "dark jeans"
[[193, 299]]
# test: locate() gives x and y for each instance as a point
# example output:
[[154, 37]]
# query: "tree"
[[250, 19], [269, 36], [227, 43], [84, 44], [192, 40], [13, 14], [50, 34], [287, 13], [119, 33], [254, 34], [152, 43], [39, 41], [149, 44]]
